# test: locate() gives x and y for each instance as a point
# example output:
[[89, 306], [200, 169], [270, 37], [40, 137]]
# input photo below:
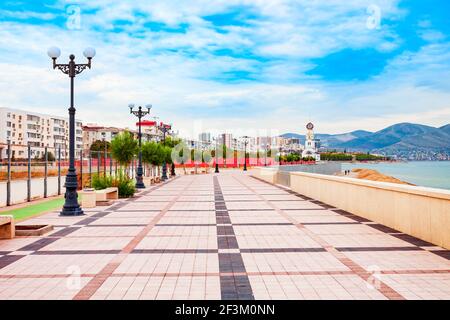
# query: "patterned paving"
[[226, 236]]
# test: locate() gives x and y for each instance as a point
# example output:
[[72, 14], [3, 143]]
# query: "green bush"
[[336, 156], [122, 182], [125, 185], [100, 182], [367, 157]]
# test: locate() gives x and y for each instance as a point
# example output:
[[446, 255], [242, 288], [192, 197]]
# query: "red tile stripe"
[[384, 289], [95, 283]]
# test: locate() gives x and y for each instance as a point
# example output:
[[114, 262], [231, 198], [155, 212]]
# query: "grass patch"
[[34, 209]]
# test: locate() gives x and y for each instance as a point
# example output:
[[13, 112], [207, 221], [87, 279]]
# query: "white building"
[[227, 140], [205, 137], [310, 144], [94, 132], [22, 128]]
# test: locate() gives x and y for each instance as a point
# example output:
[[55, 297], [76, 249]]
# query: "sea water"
[[434, 174]]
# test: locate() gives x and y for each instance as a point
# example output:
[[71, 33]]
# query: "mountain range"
[[406, 140]]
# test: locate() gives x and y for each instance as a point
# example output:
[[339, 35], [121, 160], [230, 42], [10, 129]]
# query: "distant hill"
[[401, 138], [331, 139], [445, 128]]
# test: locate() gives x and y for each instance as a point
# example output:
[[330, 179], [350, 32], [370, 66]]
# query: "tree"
[[124, 147], [224, 155], [50, 157], [155, 153], [99, 146], [171, 142]]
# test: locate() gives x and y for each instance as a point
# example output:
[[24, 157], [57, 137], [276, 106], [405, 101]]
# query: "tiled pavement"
[[226, 236]]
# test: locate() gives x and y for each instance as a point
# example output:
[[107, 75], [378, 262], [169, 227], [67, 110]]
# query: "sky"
[[233, 65]]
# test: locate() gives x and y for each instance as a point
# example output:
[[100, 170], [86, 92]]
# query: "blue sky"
[[237, 64]]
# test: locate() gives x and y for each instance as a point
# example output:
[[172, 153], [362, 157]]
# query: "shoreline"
[[374, 175]]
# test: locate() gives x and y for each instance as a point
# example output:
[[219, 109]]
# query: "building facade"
[[227, 140], [22, 128], [94, 132]]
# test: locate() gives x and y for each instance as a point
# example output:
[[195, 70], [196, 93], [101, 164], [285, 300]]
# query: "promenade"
[[225, 236]]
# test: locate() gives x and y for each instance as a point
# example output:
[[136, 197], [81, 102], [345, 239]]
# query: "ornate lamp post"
[[71, 206], [245, 151], [140, 114], [217, 163], [265, 155], [104, 154], [164, 128]]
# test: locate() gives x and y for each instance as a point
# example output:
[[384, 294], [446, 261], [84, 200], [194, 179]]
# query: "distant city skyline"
[[234, 66]]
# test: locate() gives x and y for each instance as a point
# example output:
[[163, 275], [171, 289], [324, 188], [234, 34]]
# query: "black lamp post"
[[245, 151], [265, 155], [71, 206], [140, 114], [217, 163], [104, 154], [164, 128]]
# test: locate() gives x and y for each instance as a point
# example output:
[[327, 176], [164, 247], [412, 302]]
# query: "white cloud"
[[176, 71]]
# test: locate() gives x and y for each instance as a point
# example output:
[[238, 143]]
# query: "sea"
[[433, 174]]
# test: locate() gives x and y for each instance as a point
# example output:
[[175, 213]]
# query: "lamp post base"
[[71, 206], [139, 179], [217, 168], [164, 172], [139, 185], [70, 212]]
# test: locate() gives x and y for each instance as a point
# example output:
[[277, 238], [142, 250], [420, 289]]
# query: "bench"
[[107, 194], [7, 227]]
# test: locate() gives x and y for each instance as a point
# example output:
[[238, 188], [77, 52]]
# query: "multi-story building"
[[22, 128], [94, 132], [226, 139], [205, 137]]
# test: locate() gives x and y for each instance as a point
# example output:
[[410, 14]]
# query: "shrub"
[[100, 182], [125, 185], [122, 182], [336, 156]]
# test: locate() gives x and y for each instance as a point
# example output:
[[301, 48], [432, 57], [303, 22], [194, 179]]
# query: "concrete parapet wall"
[[418, 211]]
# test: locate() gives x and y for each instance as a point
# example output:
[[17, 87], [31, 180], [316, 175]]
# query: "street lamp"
[[217, 163], [71, 206], [140, 114], [104, 154], [164, 128], [245, 151], [265, 155]]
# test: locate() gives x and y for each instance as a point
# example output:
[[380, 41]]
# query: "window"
[[33, 118], [8, 124]]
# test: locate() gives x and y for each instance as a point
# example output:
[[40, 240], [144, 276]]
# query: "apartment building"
[[205, 137], [22, 128], [93, 132], [227, 140]]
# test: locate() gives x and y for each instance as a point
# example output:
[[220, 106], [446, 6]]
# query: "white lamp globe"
[[54, 52], [89, 53]]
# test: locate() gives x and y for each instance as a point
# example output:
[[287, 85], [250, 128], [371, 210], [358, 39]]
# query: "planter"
[[32, 230]]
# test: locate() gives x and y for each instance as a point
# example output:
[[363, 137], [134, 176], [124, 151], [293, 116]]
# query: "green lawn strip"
[[34, 209]]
